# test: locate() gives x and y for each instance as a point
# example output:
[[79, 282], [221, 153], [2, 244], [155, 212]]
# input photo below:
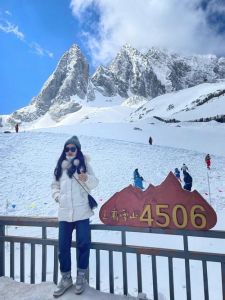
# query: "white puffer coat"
[[72, 198]]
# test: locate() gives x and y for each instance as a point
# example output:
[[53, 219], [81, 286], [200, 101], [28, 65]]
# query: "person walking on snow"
[[187, 181], [138, 180], [73, 212], [17, 127], [208, 161], [184, 168], [177, 174]]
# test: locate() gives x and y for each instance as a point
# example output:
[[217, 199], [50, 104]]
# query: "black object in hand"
[[92, 202]]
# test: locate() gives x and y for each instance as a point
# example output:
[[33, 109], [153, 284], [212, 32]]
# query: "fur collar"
[[66, 164]]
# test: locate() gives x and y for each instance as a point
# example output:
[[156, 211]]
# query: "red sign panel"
[[167, 205]]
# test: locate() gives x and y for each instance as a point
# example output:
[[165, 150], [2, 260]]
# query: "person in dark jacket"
[[138, 180], [187, 181], [177, 174], [17, 127], [208, 161], [150, 140]]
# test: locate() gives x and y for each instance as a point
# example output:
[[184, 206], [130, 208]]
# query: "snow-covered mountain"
[[198, 103], [177, 72], [204, 101], [131, 74], [63, 90]]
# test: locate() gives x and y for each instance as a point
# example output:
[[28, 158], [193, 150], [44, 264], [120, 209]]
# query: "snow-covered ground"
[[16, 290], [29, 157], [117, 146], [181, 105]]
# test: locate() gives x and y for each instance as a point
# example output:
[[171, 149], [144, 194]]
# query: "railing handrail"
[[122, 247], [53, 222]]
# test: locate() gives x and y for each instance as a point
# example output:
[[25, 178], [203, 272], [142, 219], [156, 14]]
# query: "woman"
[[73, 178]]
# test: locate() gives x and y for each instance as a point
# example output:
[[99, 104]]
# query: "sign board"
[[167, 205]]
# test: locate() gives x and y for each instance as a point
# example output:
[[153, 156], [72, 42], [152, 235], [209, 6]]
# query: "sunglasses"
[[71, 149]]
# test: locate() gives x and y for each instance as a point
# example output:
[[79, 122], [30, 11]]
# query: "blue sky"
[[39, 32], [34, 34]]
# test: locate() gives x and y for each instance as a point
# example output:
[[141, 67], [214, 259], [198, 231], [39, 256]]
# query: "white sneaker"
[[81, 282], [64, 284]]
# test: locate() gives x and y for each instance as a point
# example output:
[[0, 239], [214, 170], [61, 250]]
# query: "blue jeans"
[[83, 241]]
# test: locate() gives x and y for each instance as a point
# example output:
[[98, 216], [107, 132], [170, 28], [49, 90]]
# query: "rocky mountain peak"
[[130, 74], [64, 90]]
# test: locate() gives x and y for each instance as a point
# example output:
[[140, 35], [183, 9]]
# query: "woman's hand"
[[82, 177]]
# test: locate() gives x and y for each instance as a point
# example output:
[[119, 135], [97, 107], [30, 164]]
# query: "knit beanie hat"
[[73, 140]]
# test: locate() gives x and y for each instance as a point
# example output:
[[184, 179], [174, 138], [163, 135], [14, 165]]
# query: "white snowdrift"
[[10, 289]]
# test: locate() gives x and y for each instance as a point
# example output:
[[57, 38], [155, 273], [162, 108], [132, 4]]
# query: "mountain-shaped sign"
[[167, 205]]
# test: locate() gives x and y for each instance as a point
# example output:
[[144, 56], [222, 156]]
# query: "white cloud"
[[50, 54], [179, 25], [8, 27], [8, 13], [39, 50]]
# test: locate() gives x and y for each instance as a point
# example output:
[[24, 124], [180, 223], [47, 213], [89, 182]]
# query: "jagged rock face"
[[128, 73], [90, 92], [178, 72], [103, 80], [155, 73], [68, 80], [220, 67]]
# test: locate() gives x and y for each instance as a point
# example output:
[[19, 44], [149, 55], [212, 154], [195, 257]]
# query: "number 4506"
[[146, 216]]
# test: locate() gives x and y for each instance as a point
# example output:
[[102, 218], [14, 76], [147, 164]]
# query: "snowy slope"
[[27, 162], [117, 146], [133, 120], [179, 105]]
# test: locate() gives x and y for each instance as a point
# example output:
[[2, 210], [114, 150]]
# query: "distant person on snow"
[[184, 168], [17, 127], [187, 181], [138, 180], [71, 173], [177, 174], [208, 161], [150, 140]]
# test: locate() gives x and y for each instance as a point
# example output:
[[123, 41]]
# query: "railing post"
[[171, 279], [55, 268], [139, 275], [223, 279], [187, 268], [154, 278], [2, 251], [97, 270], [124, 257], [44, 254]]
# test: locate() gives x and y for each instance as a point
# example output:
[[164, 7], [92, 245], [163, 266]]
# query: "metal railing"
[[123, 247]]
